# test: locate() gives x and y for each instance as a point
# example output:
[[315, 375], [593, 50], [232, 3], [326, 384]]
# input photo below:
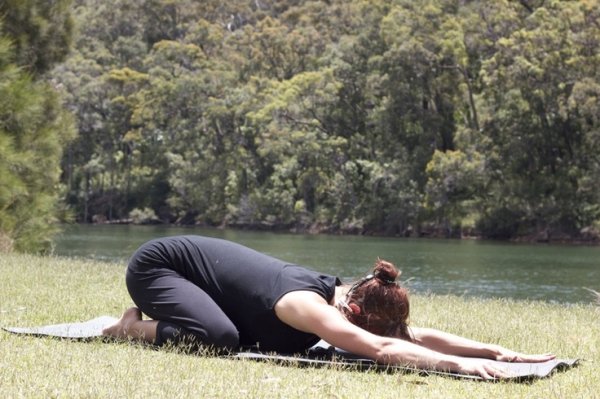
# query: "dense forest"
[[413, 118]]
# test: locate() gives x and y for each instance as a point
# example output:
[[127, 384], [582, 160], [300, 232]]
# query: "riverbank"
[[42, 290], [586, 236]]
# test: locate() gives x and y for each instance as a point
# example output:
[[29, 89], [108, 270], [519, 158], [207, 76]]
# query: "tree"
[[455, 181], [362, 116], [544, 154], [41, 32], [33, 131]]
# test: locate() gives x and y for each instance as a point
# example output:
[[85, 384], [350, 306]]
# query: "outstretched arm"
[[454, 345], [307, 311]]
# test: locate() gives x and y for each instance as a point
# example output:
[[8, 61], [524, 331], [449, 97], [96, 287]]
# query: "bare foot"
[[121, 328]]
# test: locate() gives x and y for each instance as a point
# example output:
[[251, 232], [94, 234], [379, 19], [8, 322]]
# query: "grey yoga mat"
[[322, 354], [83, 330]]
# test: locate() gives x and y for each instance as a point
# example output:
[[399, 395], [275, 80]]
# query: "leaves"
[[33, 131], [362, 116]]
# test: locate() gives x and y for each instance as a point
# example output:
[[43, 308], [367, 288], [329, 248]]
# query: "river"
[[553, 273]]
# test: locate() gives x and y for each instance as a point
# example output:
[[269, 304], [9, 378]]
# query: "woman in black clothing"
[[208, 291]]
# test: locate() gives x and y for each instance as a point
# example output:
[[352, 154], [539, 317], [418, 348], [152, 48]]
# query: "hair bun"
[[385, 271]]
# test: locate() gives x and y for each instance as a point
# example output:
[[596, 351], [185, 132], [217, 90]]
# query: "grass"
[[47, 290]]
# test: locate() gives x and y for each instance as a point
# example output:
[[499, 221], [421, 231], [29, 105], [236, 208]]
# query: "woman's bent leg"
[[182, 312], [131, 326]]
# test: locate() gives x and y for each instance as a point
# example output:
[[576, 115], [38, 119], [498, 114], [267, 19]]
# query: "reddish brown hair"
[[378, 304]]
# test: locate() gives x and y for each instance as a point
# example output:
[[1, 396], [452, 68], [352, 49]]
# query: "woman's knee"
[[226, 338], [218, 337], [220, 332]]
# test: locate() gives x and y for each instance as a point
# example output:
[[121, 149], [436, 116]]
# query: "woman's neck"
[[340, 293]]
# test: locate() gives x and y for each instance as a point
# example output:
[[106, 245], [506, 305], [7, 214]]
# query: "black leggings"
[[185, 313]]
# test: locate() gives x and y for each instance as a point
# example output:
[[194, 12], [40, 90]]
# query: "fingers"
[[541, 358], [491, 372], [533, 358], [485, 375], [514, 357]]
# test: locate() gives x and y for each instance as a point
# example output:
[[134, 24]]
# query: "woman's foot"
[[121, 328]]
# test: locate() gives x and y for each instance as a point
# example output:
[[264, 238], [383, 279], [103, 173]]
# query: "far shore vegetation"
[[37, 290], [393, 117]]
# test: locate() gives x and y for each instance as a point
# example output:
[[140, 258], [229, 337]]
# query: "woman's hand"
[[507, 355], [490, 370], [486, 369]]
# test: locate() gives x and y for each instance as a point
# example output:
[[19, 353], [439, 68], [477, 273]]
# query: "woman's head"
[[377, 304]]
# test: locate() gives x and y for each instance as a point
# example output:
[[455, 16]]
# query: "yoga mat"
[[83, 330], [322, 354]]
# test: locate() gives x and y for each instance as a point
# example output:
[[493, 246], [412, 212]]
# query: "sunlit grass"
[[44, 290]]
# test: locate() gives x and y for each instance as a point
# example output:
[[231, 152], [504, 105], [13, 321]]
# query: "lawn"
[[46, 290]]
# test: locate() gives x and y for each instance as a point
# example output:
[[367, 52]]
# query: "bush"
[[143, 216]]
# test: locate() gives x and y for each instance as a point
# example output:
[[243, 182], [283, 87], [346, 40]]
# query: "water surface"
[[553, 273]]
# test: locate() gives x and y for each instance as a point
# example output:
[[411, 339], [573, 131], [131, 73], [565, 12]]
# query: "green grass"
[[45, 290]]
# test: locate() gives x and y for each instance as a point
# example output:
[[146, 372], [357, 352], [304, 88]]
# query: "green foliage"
[[541, 145], [455, 181], [34, 129], [359, 116], [40, 31], [143, 216]]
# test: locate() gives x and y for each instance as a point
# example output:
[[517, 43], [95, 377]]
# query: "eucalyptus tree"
[[538, 87], [295, 143], [364, 115]]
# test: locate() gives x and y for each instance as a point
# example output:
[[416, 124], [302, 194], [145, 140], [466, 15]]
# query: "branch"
[[526, 5]]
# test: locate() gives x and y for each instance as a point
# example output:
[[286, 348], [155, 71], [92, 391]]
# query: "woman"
[[213, 292]]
